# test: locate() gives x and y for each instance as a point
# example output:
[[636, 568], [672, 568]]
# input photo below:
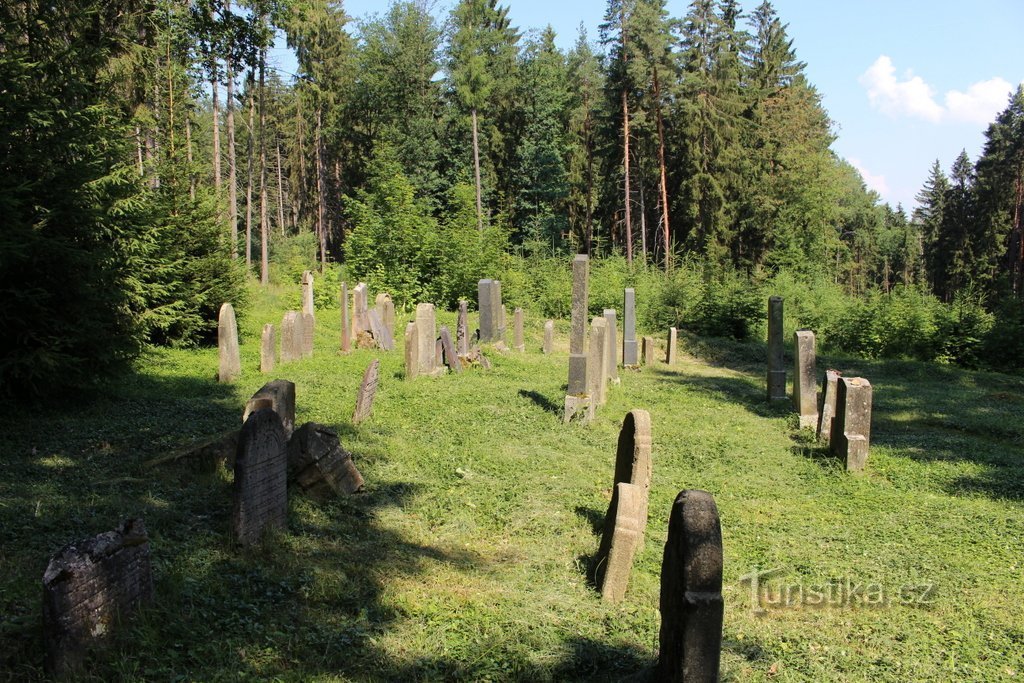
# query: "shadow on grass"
[[588, 561], [737, 390], [542, 401]]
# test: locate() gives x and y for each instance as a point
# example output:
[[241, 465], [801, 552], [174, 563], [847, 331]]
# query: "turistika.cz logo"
[[769, 591]]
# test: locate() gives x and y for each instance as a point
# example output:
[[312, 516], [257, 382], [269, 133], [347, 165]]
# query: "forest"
[[154, 164]]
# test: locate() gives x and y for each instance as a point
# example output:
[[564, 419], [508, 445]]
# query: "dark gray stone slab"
[[776, 360], [612, 344], [805, 379], [261, 478], [318, 463], [829, 389], [629, 344], [462, 328]]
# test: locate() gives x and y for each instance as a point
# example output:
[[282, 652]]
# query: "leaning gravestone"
[[268, 342], [691, 592], [87, 588], [412, 351], [648, 350], [828, 405], [381, 333], [426, 334], [227, 345], [308, 328], [776, 366], [626, 520], [281, 397], [386, 311], [612, 344], [367, 392], [851, 429], [346, 325], [462, 328], [261, 477], [597, 367], [518, 342], [318, 463], [672, 350], [448, 354], [805, 380], [307, 293], [291, 337], [549, 337], [629, 345]]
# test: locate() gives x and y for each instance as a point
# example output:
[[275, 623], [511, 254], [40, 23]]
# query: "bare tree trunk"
[[280, 191], [229, 120], [588, 142], [321, 228], [191, 172], [625, 163], [248, 175], [300, 150], [138, 150], [664, 174], [216, 135], [264, 227], [643, 224], [476, 170]]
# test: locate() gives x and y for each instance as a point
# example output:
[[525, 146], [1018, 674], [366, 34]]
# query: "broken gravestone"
[[381, 333], [386, 311], [279, 396], [367, 392], [851, 428], [828, 405], [87, 587], [648, 350], [448, 354], [261, 477], [318, 463]]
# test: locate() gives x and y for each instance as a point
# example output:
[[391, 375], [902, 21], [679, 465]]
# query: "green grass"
[[468, 556]]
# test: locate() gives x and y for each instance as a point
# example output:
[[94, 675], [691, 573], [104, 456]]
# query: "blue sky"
[[905, 81]]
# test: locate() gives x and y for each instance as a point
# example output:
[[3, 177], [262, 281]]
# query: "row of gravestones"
[[841, 415], [89, 585]]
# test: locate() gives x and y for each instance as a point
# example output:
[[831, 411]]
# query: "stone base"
[[856, 452], [579, 404], [629, 353], [809, 421], [577, 373]]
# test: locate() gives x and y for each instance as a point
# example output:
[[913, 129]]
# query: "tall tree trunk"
[[138, 150], [216, 134], [191, 172], [229, 121], [625, 163], [300, 194], [476, 171], [248, 174], [264, 227], [280, 191], [664, 174], [321, 211], [588, 142], [643, 224], [1017, 235]]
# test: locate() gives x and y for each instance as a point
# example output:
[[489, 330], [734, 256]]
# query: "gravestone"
[[549, 337], [597, 365], [828, 405], [279, 396], [491, 311], [805, 379], [613, 347], [291, 337], [308, 327], [268, 343], [386, 311], [851, 429], [518, 343], [307, 293], [578, 331], [346, 324], [449, 355], [88, 586], [438, 355], [629, 345], [691, 592], [626, 519], [502, 316], [776, 366], [230, 366], [381, 333], [412, 348], [426, 334], [360, 315], [672, 350], [367, 392], [648, 350], [318, 463], [261, 477], [462, 328]]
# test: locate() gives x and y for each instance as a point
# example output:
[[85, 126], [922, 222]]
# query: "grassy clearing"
[[468, 556]]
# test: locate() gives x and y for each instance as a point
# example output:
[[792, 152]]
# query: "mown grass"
[[468, 556]]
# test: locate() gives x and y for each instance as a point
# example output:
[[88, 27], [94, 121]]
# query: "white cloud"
[[913, 97], [874, 182]]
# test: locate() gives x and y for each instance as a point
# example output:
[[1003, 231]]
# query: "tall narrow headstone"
[[268, 344], [307, 293], [519, 342], [691, 592], [227, 345], [549, 336], [279, 396], [805, 379], [491, 315], [367, 392], [346, 323], [462, 329], [291, 337], [261, 478], [612, 343], [426, 333], [597, 366], [828, 405], [671, 351], [851, 430], [502, 317], [386, 311], [308, 328], [578, 331], [648, 350], [412, 351], [629, 345], [776, 362], [449, 356], [87, 588], [360, 313]]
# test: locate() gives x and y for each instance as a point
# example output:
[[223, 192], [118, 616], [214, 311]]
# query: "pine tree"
[[929, 216]]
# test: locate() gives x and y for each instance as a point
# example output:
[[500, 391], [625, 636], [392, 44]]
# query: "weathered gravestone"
[[502, 315], [828, 405], [851, 429], [386, 311], [805, 380], [87, 587], [346, 325], [612, 344], [279, 396], [691, 592], [261, 478], [307, 293], [626, 519], [367, 392], [489, 303], [426, 335], [462, 328], [308, 328], [381, 333], [576, 394], [776, 361], [361, 332], [318, 463], [291, 337], [518, 341], [268, 342], [597, 367], [230, 366], [549, 337], [448, 354], [629, 345], [648, 350], [412, 351], [672, 350]]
